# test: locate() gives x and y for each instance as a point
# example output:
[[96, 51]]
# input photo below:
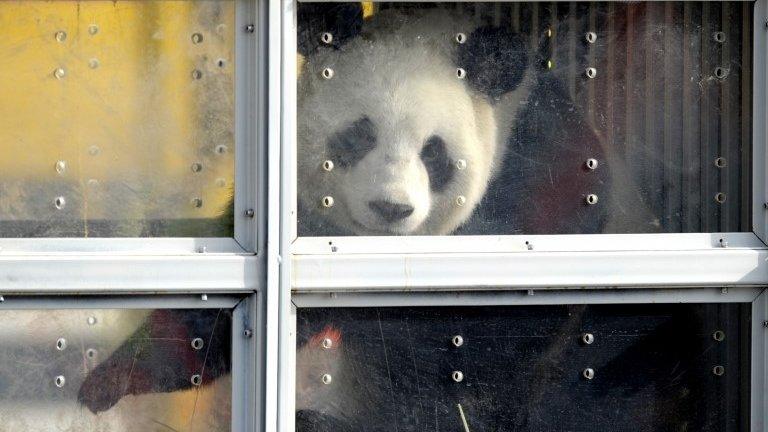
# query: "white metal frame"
[[493, 270], [56, 273], [65, 265]]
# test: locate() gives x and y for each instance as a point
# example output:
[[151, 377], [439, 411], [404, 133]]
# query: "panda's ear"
[[495, 59], [342, 21]]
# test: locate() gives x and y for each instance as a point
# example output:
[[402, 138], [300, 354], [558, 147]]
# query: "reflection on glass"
[[116, 118], [641, 368], [115, 370], [524, 118]]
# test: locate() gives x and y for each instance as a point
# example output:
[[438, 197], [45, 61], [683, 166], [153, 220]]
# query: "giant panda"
[[427, 120]]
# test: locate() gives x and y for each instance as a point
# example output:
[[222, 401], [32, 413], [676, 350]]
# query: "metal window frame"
[[496, 270], [165, 265], [247, 397]]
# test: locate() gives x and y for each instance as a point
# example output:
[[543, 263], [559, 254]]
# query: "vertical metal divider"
[[745, 161], [759, 409], [688, 184], [759, 125], [669, 163]]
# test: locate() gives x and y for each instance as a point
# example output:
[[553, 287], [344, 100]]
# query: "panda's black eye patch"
[[438, 164], [347, 147]]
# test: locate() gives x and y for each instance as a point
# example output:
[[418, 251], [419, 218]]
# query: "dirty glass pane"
[[115, 370], [638, 368], [524, 118], [116, 118]]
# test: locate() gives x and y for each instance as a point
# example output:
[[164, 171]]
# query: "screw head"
[[591, 37], [59, 73], [326, 378], [457, 341], [60, 381], [591, 199], [61, 344], [327, 201], [328, 165], [197, 343], [591, 164], [61, 36], [327, 73], [327, 343], [591, 72], [250, 213], [588, 338], [461, 73], [718, 335], [588, 373], [326, 38], [461, 164], [461, 200], [718, 370], [196, 380], [250, 28], [457, 376], [59, 202], [93, 29], [248, 333], [460, 38]]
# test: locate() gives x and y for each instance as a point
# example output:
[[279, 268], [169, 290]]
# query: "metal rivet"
[[718, 370], [327, 343], [250, 28], [588, 338], [718, 37], [457, 341], [721, 72], [724, 290], [550, 64], [247, 333], [591, 163], [61, 166], [93, 63], [327, 73], [90, 353], [92, 320], [61, 344], [196, 202], [197, 343], [197, 74], [588, 373], [461, 164], [460, 38], [326, 38], [718, 335], [61, 36], [720, 162], [221, 63], [197, 38], [204, 297], [221, 149], [94, 150], [591, 72], [93, 29], [59, 202], [59, 73], [720, 197], [197, 167], [457, 376], [196, 380], [461, 200], [723, 243], [60, 381], [327, 201], [461, 73], [591, 37], [591, 199], [328, 165], [549, 32], [326, 378], [250, 213], [528, 245]]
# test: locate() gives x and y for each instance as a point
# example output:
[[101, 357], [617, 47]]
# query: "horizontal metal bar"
[[186, 301], [724, 267], [127, 246], [523, 243], [201, 273], [542, 297]]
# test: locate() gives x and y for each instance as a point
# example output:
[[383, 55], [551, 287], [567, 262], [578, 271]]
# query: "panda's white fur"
[[401, 75]]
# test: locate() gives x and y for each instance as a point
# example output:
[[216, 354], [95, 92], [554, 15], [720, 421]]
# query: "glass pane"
[[526, 368], [115, 370], [117, 118], [524, 118]]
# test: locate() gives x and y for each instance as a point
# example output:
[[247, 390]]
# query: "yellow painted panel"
[[122, 110]]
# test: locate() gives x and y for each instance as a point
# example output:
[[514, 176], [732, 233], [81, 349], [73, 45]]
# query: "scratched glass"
[[117, 118], [579, 368], [524, 118], [115, 370]]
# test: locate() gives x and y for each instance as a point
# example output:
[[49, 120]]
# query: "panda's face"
[[412, 148]]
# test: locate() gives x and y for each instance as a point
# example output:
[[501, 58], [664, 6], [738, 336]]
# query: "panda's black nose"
[[389, 211]]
